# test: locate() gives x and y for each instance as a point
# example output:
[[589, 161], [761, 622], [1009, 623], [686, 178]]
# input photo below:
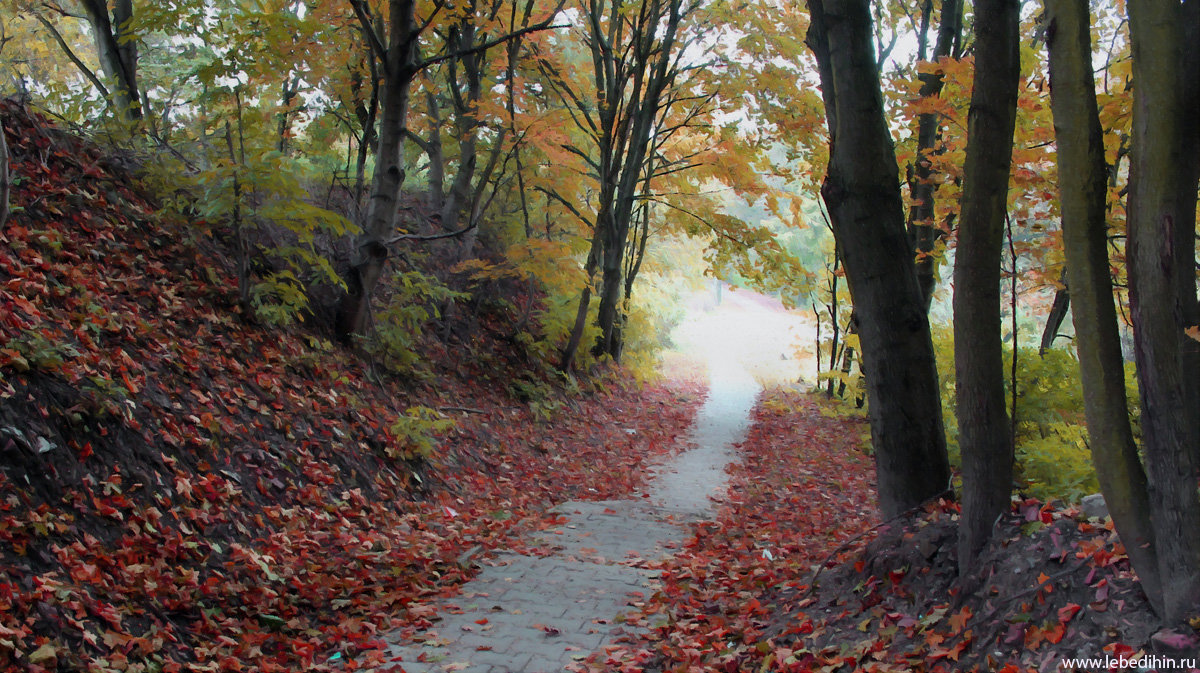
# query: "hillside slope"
[[180, 490]]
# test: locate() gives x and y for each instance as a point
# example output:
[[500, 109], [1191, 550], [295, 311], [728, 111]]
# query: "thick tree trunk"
[[1168, 425], [400, 66], [922, 187], [1082, 192], [117, 49], [987, 450], [1185, 225], [611, 316], [862, 192]]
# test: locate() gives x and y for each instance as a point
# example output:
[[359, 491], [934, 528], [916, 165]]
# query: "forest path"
[[532, 614]]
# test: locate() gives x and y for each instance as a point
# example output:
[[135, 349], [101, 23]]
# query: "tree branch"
[[484, 46], [429, 237], [570, 206], [364, 19], [87, 72]]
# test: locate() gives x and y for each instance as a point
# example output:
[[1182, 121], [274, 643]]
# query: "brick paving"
[[530, 614]]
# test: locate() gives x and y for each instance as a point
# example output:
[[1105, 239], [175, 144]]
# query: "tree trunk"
[[581, 313], [1185, 226], [1168, 426], [117, 48], [287, 96], [400, 66], [5, 178], [610, 316], [1057, 314], [652, 72], [921, 186], [1082, 193], [863, 195], [987, 450]]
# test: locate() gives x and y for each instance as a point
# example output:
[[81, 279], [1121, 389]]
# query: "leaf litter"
[[183, 491], [1053, 585]]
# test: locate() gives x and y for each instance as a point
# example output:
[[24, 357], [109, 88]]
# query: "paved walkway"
[[526, 614]]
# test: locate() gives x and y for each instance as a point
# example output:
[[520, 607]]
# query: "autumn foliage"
[[185, 492]]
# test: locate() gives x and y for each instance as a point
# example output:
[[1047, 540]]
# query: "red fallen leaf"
[[481, 622], [1055, 633], [1066, 613]]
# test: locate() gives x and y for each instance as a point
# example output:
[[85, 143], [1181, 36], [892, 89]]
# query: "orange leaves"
[[959, 620]]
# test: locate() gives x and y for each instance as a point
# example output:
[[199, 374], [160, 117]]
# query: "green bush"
[[415, 433], [1053, 458], [398, 327]]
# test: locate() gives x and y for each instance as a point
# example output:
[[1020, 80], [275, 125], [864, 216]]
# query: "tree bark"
[[5, 178], [401, 64], [1056, 316], [1082, 193], [922, 188], [986, 445], [1168, 427], [1188, 175], [117, 48], [862, 192]]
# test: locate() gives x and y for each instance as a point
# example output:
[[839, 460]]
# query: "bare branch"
[[488, 44], [430, 237], [570, 206]]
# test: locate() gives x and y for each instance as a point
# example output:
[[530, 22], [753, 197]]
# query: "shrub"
[[1053, 458], [415, 433]]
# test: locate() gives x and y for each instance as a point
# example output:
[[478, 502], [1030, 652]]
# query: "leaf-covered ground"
[[181, 491], [794, 575]]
